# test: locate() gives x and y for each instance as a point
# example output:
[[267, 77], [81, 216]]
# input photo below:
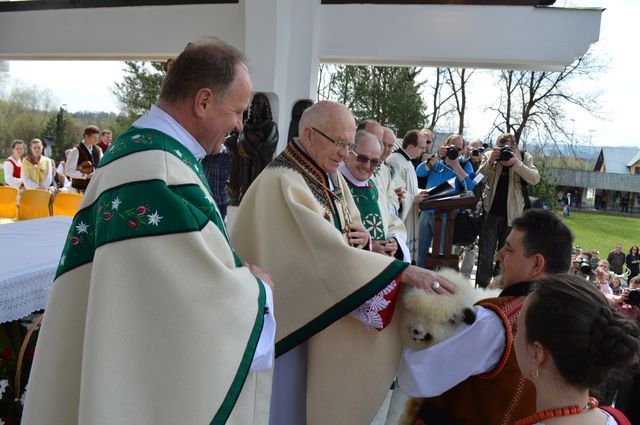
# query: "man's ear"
[[539, 265], [305, 137], [202, 101]]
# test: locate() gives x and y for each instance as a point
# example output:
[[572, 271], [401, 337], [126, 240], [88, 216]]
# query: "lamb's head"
[[428, 319]]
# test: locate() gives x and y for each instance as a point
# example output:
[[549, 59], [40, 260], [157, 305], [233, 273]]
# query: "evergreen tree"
[[390, 95], [139, 89]]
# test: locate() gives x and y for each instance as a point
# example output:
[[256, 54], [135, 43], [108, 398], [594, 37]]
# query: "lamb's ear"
[[469, 316]]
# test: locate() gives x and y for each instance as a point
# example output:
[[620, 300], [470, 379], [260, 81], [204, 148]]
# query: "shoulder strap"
[[620, 418]]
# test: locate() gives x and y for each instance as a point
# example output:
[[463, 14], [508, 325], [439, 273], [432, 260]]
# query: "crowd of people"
[[37, 171], [159, 314]]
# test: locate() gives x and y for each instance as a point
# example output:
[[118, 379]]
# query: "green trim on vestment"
[[133, 210], [341, 309], [152, 208], [144, 139], [245, 364]]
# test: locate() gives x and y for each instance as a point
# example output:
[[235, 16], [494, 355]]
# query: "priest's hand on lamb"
[[428, 280]]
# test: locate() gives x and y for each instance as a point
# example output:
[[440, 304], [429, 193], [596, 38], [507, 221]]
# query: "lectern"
[[441, 206]]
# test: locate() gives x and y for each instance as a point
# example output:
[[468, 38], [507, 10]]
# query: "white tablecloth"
[[31, 250]]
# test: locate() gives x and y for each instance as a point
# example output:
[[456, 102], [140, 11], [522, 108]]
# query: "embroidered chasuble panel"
[[366, 198], [141, 208], [160, 211]]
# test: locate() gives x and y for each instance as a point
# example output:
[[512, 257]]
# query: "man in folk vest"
[[83, 159], [473, 377]]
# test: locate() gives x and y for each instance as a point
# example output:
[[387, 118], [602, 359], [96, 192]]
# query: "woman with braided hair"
[[569, 340]]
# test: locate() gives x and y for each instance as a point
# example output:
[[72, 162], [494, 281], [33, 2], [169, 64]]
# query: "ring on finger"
[[435, 284]]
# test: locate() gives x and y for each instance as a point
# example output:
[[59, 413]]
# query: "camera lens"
[[452, 152], [505, 153], [585, 267]]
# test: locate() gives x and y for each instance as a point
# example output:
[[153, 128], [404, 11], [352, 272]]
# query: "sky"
[[88, 86]]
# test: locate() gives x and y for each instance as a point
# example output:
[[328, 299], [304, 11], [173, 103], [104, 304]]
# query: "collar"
[[332, 179], [347, 175], [404, 153], [517, 289], [158, 119]]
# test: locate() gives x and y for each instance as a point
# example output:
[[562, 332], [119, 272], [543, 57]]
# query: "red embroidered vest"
[[16, 167], [499, 397]]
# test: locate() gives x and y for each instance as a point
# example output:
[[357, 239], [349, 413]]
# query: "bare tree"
[[457, 81], [532, 103]]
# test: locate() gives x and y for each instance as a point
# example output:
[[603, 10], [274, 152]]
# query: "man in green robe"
[[153, 319]]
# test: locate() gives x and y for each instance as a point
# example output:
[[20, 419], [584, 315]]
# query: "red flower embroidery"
[[133, 224], [100, 208], [75, 240], [141, 210], [107, 215]]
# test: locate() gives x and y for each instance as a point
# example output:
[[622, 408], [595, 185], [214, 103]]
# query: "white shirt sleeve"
[[8, 175], [49, 178], [263, 357], [402, 246], [472, 350], [71, 167]]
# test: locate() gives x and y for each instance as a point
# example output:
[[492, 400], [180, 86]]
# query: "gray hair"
[[362, 134]]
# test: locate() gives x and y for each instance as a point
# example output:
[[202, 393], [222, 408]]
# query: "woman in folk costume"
[[37, 170], [13, 165], [569, 340]]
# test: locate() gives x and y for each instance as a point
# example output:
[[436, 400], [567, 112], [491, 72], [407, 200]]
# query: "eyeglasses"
[[341, 145], [364, 160]]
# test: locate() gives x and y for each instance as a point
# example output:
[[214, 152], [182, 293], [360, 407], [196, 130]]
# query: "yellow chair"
[[34, 203], [8, 202], [66, 203]]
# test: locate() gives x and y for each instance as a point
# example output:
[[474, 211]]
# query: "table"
[[31, 251]]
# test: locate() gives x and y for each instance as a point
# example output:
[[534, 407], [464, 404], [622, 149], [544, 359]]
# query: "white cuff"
[[263, 357]]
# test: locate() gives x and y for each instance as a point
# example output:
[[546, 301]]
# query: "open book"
[[445, 188]]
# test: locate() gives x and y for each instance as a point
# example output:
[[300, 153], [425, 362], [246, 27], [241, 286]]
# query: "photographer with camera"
[[505, 169], [474, 153], [446, 164]]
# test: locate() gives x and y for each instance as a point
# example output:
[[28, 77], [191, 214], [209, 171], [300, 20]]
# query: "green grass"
[[600, 231]]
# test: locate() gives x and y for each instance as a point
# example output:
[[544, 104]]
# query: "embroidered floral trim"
[[369, 312], [293, 158], [135, 210]]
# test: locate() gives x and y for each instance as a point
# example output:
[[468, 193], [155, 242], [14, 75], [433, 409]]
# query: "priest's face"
[[388, 141], [224, 112], [365, 158], [328, 141]]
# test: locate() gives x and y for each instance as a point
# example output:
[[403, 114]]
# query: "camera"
[[585, 267], [452, 152], [477, 151], [634, 297], [506, 153]]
